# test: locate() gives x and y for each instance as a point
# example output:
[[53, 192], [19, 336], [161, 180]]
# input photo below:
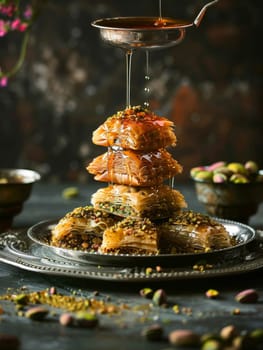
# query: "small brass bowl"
[[237, 202], [15, 189]]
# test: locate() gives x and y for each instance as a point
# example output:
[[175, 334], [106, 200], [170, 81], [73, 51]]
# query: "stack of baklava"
[[136, 212], [135, 166]]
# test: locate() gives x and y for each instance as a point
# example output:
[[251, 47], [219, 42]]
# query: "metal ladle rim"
[[110, 23]]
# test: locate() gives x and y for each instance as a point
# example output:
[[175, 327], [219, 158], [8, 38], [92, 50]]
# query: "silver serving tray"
[[17, 249], [243, 234]]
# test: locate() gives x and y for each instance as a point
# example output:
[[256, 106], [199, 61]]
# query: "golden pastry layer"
[[191, 232], [82, 228], [131, 236], [134, 168], [135, 128], [152, 202]]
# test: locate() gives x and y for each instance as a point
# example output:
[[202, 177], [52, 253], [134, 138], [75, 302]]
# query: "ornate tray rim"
[[38, 233], [18, 250]]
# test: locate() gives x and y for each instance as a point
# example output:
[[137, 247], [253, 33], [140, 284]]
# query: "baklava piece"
[[153, 202], [82, 229], [134, 168], [191, 232], [131, 236], [135, 128]]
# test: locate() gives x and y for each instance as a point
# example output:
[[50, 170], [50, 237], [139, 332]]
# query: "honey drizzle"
[[160, 10], [128, 77], [147, 78]]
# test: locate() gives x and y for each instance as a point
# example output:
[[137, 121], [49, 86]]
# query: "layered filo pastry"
[[137, 129], [131, 236], [192, 232], [82, 229], [134, 168], [137, 202]]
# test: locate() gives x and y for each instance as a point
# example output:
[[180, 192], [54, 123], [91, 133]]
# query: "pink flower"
[[28, 12], [8, 10], [3, 28], [18, 25], [3, 81]]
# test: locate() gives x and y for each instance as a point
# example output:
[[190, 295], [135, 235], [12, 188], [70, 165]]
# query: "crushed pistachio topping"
[[190, 217], [70, 303], [135, 113]]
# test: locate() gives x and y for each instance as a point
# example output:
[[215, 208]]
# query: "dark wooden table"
[[123, 331]]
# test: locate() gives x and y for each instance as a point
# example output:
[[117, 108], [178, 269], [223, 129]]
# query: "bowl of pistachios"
[[229, 190], [15, 188]]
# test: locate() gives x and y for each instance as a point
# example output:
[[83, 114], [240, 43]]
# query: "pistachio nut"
[[243, 342], [86, 320], [238, 179], [21, 299], [219, 178], [70, 192], [212, 293], [237, 168], [257, 335], [153, 332], [212, 344], [228, 332], [224, 170], [195, 170], [146, 293], [247, 296], [37, 313], [184, 337], [159, 297], [204, 175], [216, 165], [251, 167], [66, 319]]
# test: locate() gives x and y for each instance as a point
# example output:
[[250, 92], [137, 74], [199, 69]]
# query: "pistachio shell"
[[21, 299], [209, 336], [66, 319], [243, 342], [212, 293], [224, 170], [86, 319], [212, 344], [219, 178], [216, 165], [251, 167], [195, 170], [37, 313], [146, 293], [159, 297], [257, 335], [204, 175], [237, 168], [184, 337], [238, 179], [70, 192], [247, 296], [153, 332], [228, 332]]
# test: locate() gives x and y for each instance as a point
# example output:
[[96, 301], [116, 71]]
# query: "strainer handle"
[[201, 14]]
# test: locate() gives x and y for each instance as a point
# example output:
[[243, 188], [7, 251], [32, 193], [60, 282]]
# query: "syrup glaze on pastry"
[[137, 202], [137, 213], [82, 228], [191, 232], [135, 128], [135, 168]]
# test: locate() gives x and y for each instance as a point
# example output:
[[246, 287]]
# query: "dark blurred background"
[[210, 86]]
